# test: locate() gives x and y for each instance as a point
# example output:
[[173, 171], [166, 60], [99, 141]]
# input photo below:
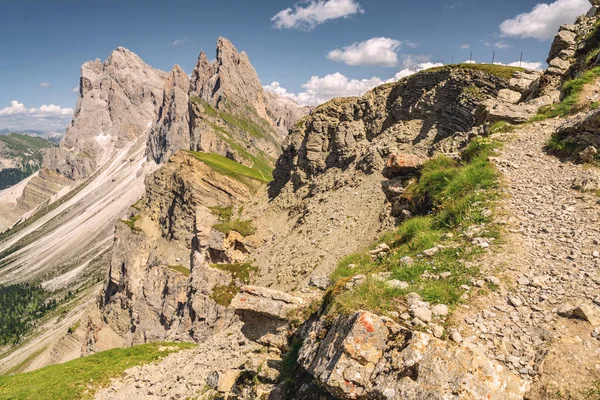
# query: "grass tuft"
[[179, 269], [239, 271]]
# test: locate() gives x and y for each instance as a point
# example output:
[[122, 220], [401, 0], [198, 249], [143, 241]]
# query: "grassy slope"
[[80, 378], [227, 167], [451, 197], [501, 71], [260, 161]]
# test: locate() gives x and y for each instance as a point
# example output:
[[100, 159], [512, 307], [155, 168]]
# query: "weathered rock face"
[[284, 112], [230, 78], [118, 102], [171, 132], [567, 54], [266, 314], [409, 117], [366, 356], [149, 296]]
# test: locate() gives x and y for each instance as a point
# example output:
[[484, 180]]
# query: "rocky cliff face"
[[162, 279], [118, 102], [417, 116]]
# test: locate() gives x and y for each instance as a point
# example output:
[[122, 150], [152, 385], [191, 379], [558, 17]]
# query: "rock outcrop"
[[366, 356], [412, 116], [171, 132]]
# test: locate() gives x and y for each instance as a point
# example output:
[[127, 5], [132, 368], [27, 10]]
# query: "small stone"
[[588, 313], [431, 252], [407, 260], [397, 284], [493, 280], [437, 330], [440, 310], [422, 313], [445, 275], [589, 154], [456, 336], [523, 281], [515, 301], [321, 282]]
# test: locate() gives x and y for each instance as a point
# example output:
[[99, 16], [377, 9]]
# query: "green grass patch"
[[74, 327], [570, 97], [131, 223], [81, 378], [501, 71], [223, 213], [223, 294], [239, 271], [501, 127], [232, 169], [243, 227], [179, 269], [450, 196]]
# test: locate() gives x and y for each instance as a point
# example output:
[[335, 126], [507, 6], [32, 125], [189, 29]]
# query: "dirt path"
[[547, 262]]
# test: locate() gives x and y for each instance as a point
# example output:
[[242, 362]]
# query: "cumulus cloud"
[[318, 90], [465, 46], [373, 52], [75, 89], [525, 64], [307, 15], [413, 69], [543, 21], [45, 118], [44, 84]]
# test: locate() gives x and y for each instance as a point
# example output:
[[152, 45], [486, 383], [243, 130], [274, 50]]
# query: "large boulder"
[[266, 314], [366, 356]]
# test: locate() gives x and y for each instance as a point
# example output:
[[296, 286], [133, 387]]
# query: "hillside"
[[20, 156], [434, 238]]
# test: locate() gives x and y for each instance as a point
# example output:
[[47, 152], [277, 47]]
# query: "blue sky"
[[45, 42]]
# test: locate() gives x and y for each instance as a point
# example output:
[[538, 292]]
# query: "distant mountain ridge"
[[20, 156]]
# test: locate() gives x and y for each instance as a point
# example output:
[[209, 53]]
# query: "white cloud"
[[377, 51], [45, 118], [465, 46], [525, 64], [307, 15], [543, 21], [179, 42], [413, 69], [44, 84], [318, 89], [75, 89], [502, 45]]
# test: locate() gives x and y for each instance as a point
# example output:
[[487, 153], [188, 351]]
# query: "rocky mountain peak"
[[117, 104], [230, 77]]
